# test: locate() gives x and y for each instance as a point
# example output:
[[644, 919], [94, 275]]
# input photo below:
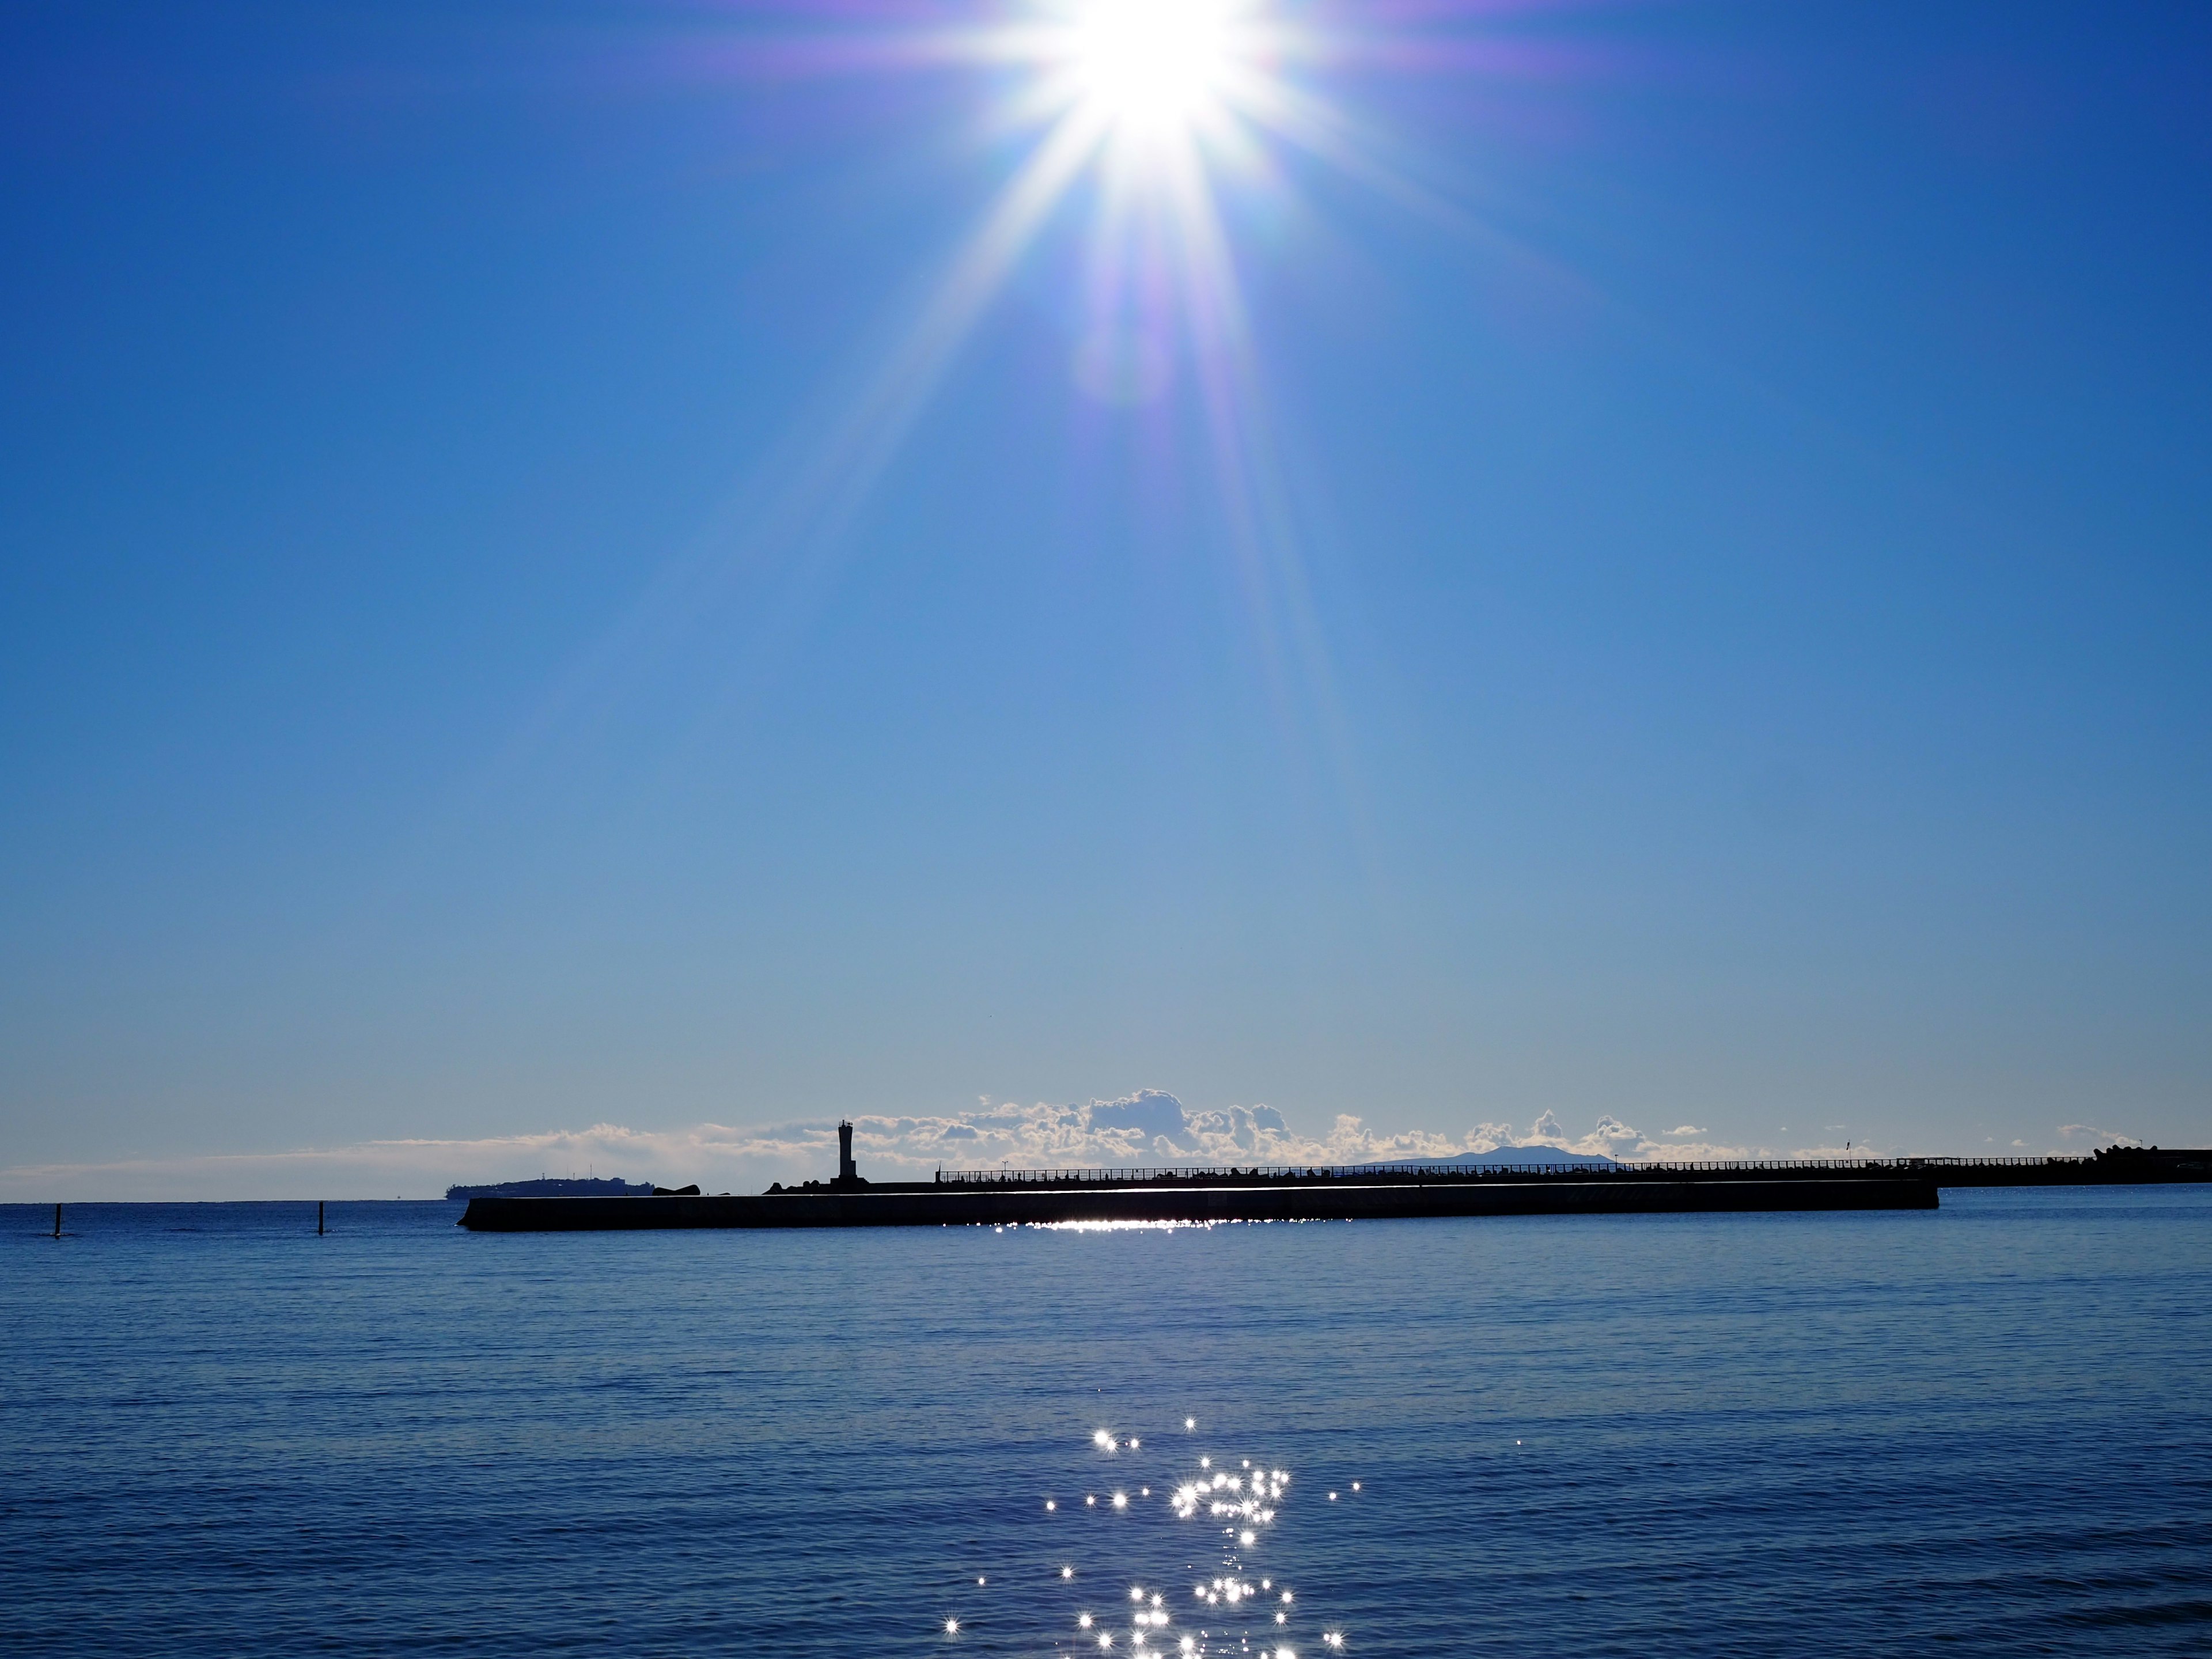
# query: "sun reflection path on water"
[[1211, 1515], [1125, 1226]]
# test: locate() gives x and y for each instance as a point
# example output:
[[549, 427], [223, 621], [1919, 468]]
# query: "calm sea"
[[1987, 1430]]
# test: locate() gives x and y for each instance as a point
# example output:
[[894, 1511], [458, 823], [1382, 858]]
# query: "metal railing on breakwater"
[[1087, 1174], [2114, 1165], [1100, 1176]]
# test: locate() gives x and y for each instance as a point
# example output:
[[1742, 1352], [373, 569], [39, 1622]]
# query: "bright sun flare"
[[1154, 66]]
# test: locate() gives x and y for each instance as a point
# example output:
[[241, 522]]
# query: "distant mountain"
[[605, 1187], [1501, 1158]]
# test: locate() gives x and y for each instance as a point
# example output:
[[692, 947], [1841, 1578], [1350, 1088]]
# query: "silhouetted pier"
[[1332, 1193]]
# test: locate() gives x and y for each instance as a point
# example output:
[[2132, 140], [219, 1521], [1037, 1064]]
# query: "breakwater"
[[1338, 1192], [1311, 1197]]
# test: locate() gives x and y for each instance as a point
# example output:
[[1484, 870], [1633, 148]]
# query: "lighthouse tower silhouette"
[[847, 1173]]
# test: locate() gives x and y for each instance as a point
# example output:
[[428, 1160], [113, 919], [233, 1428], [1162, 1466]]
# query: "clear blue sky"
[[1723, 639]]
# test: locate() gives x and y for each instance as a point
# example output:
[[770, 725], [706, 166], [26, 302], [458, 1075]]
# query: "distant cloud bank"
[[1149, 1127]]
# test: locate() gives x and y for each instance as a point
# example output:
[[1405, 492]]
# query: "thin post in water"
[[57, 1221], [318, 1218]]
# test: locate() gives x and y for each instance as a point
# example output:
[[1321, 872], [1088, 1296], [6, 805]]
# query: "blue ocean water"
[[1987, 1430]]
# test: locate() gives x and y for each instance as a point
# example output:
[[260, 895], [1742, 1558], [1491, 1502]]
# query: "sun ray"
[[1158, 107], [881, 416], [1254, 501], [797, 525]]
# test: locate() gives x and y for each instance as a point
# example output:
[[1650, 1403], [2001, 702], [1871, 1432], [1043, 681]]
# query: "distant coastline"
[[556, 1187]]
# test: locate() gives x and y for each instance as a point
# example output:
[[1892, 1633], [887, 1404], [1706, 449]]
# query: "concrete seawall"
[[1323, 1201]]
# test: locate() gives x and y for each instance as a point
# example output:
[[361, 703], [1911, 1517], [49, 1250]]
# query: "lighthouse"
[[847, 1176]]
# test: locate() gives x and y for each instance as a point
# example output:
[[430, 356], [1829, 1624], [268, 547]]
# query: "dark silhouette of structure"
[[1014, 1197]]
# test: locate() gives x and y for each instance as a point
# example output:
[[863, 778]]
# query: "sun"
[[1154, 67]]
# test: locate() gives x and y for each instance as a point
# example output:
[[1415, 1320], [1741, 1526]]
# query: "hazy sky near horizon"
[[1657, 573]]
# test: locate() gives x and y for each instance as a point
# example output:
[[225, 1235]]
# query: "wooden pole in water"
[[318, 1218]]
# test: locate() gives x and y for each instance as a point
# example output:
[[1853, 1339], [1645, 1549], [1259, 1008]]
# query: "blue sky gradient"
[[1732, 651]]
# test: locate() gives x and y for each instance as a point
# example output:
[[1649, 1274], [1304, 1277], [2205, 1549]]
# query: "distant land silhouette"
[[557, 1187]]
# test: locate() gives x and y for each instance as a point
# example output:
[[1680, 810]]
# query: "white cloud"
[[1149, 1127], [1146, 1129], [2095, 1136]]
